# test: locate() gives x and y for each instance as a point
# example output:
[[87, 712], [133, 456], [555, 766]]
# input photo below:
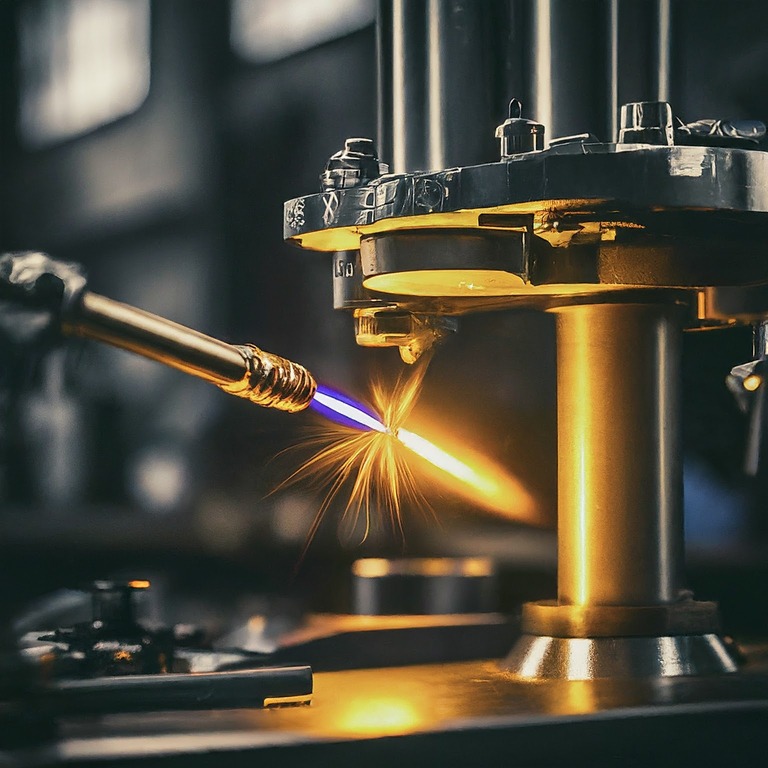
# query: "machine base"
[[451, 715], [537, 657]]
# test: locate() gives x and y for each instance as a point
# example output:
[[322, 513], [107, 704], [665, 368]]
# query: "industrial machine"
[[629, 243]]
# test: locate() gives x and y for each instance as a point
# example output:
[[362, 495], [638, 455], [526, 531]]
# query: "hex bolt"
[[646, 122], [355, 165]]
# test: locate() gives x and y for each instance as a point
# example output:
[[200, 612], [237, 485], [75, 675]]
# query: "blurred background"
[[155, 142]]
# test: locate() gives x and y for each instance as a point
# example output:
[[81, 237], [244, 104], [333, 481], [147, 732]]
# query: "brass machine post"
[[620, 520]]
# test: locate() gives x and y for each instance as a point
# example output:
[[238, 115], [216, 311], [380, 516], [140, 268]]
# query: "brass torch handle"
[[245, 371]]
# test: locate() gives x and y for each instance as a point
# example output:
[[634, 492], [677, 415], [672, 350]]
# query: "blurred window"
[[82, 64], [267, 30]]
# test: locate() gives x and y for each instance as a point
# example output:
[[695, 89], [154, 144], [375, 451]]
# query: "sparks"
[[367, 453]]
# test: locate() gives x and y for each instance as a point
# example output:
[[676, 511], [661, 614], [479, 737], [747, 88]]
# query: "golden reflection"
[[578, 697], [474, 282], [375, 567], [752, 382], [378, 716], [139, 584]]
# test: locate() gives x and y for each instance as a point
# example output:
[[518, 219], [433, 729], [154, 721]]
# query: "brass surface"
[[157, 338], [244, 371], [272, 381], [620, 537]]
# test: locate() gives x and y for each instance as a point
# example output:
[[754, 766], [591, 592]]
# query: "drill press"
[[628, 244]]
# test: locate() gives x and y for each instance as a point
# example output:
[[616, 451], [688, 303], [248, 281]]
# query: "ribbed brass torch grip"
[[272, 381], [245, 371]]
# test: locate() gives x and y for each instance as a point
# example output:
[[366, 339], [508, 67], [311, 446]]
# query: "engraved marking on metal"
[[343, 268], [330, 206], [294, 215]]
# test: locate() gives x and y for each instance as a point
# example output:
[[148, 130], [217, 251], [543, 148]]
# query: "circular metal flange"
[[461, 262], [536, 657], [588, 658], [687, 617], [564, 179]]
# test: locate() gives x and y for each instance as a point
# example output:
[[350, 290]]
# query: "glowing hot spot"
[[450, 464], [365, 457]]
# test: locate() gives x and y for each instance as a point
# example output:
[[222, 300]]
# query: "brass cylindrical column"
[[621, 609], [620, 518]]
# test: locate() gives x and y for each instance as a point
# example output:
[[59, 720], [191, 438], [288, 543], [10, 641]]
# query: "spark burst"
[[373, 463], [371, 453]]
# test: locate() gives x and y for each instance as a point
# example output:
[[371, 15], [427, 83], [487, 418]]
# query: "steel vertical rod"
[[620, 527], [613, 69], [460, 117], [663, 49], [402, 107]]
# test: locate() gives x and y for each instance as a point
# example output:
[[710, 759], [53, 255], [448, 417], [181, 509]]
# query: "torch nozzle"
[[273, 381]]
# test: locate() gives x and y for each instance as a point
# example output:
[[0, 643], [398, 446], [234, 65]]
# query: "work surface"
[[454, 714]]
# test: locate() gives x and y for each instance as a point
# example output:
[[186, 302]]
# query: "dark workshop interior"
[[155, 143]]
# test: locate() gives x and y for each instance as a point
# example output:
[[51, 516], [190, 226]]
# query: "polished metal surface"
[[620, 524], [459, 81], [684, 617], [244, 371], [450, 715], [402, 105], [537, 657], [146, 334]]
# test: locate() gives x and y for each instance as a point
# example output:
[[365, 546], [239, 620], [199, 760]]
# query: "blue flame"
[[344, 410]]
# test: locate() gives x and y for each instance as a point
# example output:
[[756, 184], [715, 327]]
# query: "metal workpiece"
[[424, 586], [232, 689], [518, 135], [620, 517], [413, 333], [245, 371], [535, 657]]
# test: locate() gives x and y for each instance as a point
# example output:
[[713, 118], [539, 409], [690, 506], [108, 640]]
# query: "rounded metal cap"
[[519, 135]]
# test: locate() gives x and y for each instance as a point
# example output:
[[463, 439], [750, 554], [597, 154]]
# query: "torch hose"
[[242, 370]]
